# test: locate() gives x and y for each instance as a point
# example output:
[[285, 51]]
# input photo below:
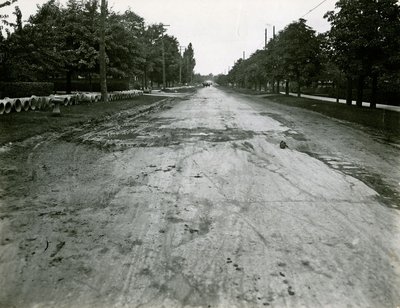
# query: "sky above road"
[[220, 30]]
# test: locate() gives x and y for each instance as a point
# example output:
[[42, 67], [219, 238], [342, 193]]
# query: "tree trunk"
[[145, 78], [102, 54], [298, 85], [273, 86], [90, 82], [287, 87], [278, 86], [68, 85], [374, 90], [360, 89], [337, 92], [349, 91]]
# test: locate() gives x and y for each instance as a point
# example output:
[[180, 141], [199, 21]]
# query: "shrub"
[[93, 86], [25, 89]]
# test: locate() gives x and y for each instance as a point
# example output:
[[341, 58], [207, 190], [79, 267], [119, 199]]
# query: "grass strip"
[[16, 127]]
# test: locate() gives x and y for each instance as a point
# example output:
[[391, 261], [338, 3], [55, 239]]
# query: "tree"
[[172, 58], [102, 52], [273, 63], [30, 49], [189, 62], [7, 3], [299, 48], [151, 51], [152, 47], [364, 37], [65, 40], [2, 16]]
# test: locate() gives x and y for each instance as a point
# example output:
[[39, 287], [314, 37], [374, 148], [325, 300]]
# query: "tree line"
[[361, 51], [63, 42]]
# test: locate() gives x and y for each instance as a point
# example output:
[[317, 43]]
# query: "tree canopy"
[[63, 41], [363, 45]]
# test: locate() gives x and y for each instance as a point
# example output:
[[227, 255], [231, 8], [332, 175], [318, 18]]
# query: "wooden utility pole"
[[265, 38], [102, 53], [163, 55], [180, 64], [163, 62]]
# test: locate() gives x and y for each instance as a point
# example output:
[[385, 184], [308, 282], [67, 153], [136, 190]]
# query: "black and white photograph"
[[199, 153]]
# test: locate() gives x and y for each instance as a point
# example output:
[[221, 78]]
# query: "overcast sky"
[[220, 30]]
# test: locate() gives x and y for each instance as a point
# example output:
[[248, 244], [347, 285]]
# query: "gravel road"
[[192, 203]]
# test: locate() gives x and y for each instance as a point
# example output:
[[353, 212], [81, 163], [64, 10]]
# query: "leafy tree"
[[7, 3], [189, 62], [299, 48], [124, 44], [102, 51], [273, 63], [65, 41], [365, 40], [172, 59], [3, 17], [151, 52], [26, 59]]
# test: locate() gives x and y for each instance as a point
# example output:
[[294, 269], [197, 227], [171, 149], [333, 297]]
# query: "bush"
[[25, 89], [94, 86]]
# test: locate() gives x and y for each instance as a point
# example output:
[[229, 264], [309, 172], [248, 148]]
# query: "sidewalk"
[[343, 101]]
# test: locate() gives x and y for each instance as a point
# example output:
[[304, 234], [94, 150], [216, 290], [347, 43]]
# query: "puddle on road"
[[387, 194]]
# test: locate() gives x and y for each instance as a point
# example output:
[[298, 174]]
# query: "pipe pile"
[[35, 103]]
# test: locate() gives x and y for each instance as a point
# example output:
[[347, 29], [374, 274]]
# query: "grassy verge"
[[387, 121], [20, 126], [384, 120]]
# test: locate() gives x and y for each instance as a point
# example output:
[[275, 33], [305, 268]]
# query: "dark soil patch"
[[20, 126]]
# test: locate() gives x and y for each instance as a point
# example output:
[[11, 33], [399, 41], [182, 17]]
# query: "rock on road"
[[196, 205]]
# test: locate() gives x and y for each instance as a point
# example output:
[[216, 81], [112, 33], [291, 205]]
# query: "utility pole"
[[273, 31], [102, 52], [180, 64], [265, 38], [244, 55], [163, 54]]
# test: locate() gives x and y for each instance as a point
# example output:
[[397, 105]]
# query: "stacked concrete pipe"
[[58, 100], [43, 103], [88, 97], [33, 102], [61, 99], [25, 103], [2, 106], [8, 103], [47, 102], [17, 105]]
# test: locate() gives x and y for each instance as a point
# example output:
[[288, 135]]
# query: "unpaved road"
[[196, 205]]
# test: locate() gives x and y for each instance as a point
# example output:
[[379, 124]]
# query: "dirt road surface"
[[194, 204]]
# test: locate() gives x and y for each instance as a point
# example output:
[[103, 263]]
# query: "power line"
[[317, 6]]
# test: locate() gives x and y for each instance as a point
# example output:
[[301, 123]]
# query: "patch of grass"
[[384, 120], [20, 126]]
